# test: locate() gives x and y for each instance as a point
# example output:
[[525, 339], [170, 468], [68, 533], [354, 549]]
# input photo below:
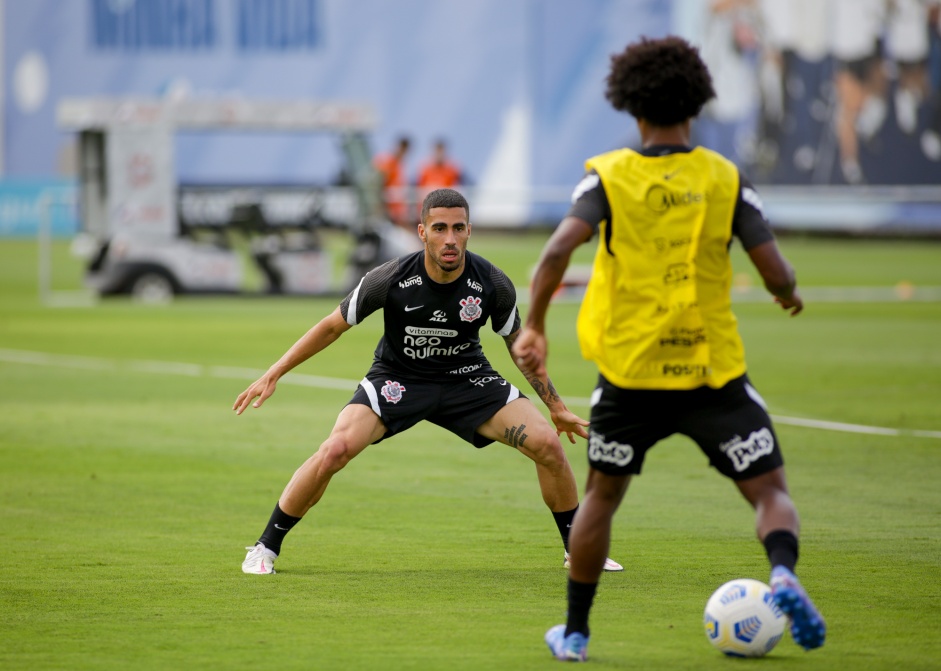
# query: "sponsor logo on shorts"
[[470, 309], [476, 286], [743, 453], [611, 452], [430, 332], [481, 381], [465, 369], [410, 282], [392, 391]]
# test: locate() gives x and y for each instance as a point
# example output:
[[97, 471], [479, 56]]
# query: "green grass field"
[[128, 489]]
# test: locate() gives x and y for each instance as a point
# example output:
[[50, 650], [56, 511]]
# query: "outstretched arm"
[[320, 336], [778, 276], [531, 349], [564, 419]]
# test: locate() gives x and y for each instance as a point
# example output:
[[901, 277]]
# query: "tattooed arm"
[[564, 419]]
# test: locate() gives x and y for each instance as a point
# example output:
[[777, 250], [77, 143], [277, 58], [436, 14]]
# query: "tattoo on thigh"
[[514, 435]]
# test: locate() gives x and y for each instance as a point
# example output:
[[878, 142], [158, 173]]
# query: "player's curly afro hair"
[[662, 81]]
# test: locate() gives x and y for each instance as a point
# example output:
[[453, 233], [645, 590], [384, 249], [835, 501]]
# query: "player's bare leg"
[[589, 542], [778, 526], [591, 534], [520, 425], [357, 426], [773, 506]]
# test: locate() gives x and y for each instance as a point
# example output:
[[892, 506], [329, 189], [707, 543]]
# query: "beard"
[[449, 266]]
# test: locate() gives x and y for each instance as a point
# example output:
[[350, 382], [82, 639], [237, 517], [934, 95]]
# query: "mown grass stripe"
[[320, 382]]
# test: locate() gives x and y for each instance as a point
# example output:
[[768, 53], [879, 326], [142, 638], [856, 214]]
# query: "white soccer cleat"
[[610, 565], [259, 560], [571, 648]]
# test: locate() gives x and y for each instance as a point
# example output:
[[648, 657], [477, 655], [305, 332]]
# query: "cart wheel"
[[152, 287]]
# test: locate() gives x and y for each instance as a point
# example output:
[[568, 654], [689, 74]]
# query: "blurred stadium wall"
[[515, 86]]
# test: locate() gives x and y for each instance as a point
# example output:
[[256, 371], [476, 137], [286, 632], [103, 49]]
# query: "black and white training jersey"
[[430, 328]]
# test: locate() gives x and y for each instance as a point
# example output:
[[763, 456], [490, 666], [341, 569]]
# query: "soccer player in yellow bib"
[[657, 321]]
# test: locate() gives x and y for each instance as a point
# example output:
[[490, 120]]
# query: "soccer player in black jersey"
[[428, 365], [657, 321]]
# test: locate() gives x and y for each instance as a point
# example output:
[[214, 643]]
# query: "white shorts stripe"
[[755, 396], [514, 394], [371, 393]]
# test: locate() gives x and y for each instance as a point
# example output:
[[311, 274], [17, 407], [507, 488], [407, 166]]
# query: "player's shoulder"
[[395, 269], [714, 157], [483, 267]]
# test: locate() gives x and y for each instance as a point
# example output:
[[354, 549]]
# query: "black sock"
[[564, 522], [581, 596], [278, 527], [781, 546]]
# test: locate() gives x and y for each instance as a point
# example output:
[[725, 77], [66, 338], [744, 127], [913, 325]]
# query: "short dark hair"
[[444, 198], [662, 81]]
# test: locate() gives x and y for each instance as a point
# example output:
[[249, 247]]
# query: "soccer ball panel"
[[742, 620]]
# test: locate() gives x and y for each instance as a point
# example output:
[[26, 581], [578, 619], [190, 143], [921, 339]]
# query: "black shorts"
[[730, 425], [458, 404], [861, 68]]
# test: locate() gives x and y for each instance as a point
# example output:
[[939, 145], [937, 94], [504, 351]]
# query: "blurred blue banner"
[[23, 204], [516, 87]]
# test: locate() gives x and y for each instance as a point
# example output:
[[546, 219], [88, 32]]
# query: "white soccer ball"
[[742, 619]]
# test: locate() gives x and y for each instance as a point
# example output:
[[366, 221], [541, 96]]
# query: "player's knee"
[[548, 451], [335, 453]]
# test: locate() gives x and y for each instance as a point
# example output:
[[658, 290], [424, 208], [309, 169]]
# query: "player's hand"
[[530, 351], [261, 389], [794, 304], [568, 422]]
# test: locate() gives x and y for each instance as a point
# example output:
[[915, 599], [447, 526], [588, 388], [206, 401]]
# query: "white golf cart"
[[144, 234]]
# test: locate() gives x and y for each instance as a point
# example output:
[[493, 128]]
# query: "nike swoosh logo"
[[408, 309], [280, 528], [671, 175]]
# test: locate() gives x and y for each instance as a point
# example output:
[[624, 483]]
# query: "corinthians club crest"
[[470, 309], [392, 391]]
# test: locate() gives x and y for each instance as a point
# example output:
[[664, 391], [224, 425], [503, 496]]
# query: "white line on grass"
[[903, 292], [235, 373]]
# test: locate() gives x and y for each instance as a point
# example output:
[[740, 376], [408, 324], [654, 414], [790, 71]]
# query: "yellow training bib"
[[657, 311]]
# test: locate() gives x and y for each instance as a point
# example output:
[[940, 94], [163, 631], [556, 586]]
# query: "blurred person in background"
[[657, 321], [395, 189], [438, 172], [860, 79], [428, 365], [795, 88], [728, 32], [907, 46], [931, 135]]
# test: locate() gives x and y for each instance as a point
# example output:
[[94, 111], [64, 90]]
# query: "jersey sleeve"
[[590, 202], [506, 316], [370, 294], [749, 223]]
